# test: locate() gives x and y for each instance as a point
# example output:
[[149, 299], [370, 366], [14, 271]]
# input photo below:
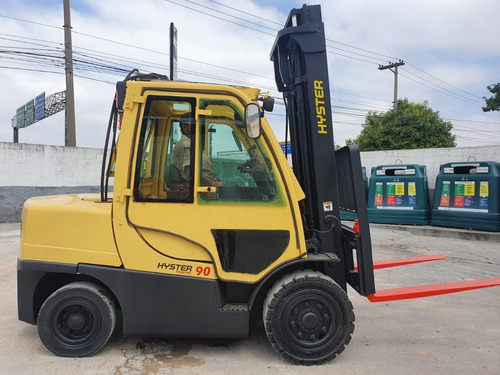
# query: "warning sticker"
[[327, 206]]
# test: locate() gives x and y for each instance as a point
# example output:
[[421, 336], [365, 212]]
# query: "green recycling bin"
[[351, 216], [399, 194], [467, 196]]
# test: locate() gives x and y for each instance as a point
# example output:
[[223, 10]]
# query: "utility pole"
[[70, 131], [395, 71], [173, 52]]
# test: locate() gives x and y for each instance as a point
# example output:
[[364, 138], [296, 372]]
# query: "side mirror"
[[252, 120]]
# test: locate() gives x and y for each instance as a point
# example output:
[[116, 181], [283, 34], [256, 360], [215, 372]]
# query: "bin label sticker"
[[412, 201], [379, 194], [400, 188], [459, 188], [391, 194], [469, 189], [445, 201], [394, 196], [400, 200], [449, 170], [459, 201], [391, 188], [483, 203], [412, 190], [482, 170], [445, 194], [391, 200], [412, 194], [468, 202], [483, 189]]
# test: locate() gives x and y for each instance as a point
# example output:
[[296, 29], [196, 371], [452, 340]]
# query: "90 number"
[[202, 270]]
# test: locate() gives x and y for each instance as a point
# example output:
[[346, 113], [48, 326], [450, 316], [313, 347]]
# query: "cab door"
[[221, 209]]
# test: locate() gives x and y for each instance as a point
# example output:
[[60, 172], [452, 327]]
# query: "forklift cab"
[[233, 211]]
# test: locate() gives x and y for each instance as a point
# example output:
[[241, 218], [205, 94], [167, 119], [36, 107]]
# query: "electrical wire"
[[100, 64]]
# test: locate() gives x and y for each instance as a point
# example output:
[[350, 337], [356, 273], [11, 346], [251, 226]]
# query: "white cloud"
[[451, 40]]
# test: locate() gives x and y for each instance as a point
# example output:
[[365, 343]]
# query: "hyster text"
[[319, 95]]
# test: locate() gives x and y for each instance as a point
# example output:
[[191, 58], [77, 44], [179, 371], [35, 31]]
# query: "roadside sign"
[[286, 149], [20, 117], [30, 113], [40, 106]]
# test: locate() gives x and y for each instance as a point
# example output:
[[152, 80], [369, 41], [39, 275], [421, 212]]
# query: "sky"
[[450, 49]]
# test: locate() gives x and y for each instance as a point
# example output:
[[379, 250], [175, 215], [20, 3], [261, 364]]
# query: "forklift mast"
[[301, 74]]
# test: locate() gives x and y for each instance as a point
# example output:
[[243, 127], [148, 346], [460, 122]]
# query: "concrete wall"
[[28, 170]]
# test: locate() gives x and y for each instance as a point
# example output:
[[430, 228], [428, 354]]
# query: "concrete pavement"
[[451, 334]]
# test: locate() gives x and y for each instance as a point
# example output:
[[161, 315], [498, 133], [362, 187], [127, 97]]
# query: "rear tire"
[[308, 318], [77, 320]]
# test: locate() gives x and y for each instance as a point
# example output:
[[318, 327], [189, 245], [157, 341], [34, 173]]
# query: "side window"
[[238, 166], [163, 172]]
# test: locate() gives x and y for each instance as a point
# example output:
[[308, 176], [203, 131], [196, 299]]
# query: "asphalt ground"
[[450, 334]]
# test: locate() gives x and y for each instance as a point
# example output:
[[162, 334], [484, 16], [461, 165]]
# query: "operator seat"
[[175, 185]]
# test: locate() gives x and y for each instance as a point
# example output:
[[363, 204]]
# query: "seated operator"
[[181, 155]]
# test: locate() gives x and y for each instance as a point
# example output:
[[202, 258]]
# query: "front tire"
[[77, 320], [308, 318]]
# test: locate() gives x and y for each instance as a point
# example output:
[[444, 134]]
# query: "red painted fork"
[[431, 290], [403, 262], [424, 290]]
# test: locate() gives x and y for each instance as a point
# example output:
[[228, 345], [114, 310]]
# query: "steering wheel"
[[249, 166]]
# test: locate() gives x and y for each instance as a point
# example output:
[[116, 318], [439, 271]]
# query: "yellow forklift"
[[207, 229]]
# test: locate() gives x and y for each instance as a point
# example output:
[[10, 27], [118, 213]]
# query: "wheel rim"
[[75, 322], [312, 321]]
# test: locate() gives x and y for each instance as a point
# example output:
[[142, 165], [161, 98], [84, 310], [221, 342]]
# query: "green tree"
[[410, 126], [493, 103]]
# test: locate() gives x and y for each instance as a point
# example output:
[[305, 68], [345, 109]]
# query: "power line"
[[239, 24], [442, 92], [247, 13], [440, 80], [473, 121], [230, 15], [99, 65], [32, 22], [445, 90], [220, 18]]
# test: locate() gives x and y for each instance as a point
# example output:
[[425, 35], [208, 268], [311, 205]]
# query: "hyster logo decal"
[[319, 94], [178, 268]]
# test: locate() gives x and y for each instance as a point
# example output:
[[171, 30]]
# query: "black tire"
[[77, 320], [308, 318]]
